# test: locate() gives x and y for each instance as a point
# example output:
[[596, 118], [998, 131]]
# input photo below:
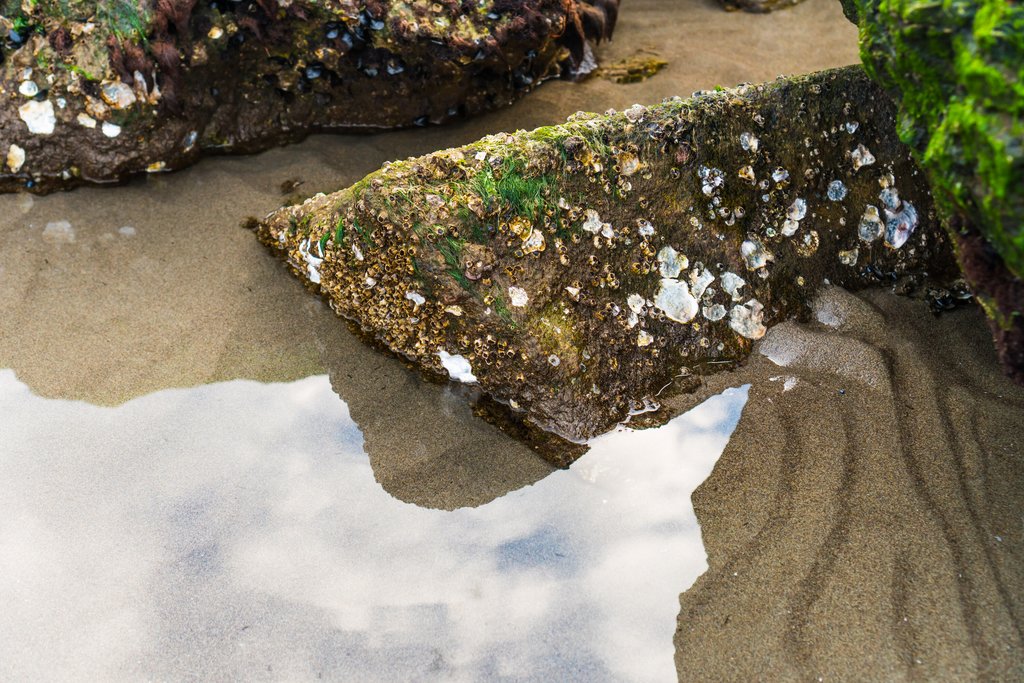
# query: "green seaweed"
[[366, 237], [450, 249], [502, 311]]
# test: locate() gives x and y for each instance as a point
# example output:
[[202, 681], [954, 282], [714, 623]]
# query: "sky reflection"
[[235, 531]]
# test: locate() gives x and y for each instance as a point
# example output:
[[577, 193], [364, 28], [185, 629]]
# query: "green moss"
[[957, 69]]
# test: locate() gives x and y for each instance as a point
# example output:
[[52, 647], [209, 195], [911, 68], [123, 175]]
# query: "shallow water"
[[234, 531]]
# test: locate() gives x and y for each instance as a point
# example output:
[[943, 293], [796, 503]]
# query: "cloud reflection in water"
[[235, 531]]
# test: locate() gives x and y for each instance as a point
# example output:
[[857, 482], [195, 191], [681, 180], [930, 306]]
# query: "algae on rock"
[[95, 91], [576, 270], [956, 69]]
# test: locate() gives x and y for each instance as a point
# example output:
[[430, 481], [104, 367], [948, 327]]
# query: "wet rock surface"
[[956, 70], [758, 6], [575, 271], [99, 91]]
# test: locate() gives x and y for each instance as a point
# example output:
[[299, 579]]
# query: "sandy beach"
[[864, 521]]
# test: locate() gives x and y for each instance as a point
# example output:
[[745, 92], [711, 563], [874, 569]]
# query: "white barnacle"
[[749, 142], [645, 228], [534, 242], [15, 158], [111, 130], [861, 157], [38, 116], [715, 312], [789, 227], [635, 112], [675, 301], [712, 179], [747, 319], [458, 367], [628, 163], [518, 296], [870, 227], [754, 254], [416, 298], [117, 94], [85, 120], [900, 225], [635, 303], [699, 281], [797, 210], [836, 191], [671, 262], [732, 284], [28, 88], [890, 197], [312, 262], [644, 338], [593, 222]]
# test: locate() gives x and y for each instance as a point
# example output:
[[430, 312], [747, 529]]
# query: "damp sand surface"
[[863, 522]]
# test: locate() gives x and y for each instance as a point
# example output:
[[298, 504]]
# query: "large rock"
[[956, 68], [97, 91], [576, 270]]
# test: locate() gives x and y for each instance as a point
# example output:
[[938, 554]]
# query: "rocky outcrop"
[[97, 91], [576, 270], [957, 71]]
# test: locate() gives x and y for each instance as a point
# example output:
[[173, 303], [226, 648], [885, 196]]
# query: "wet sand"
[[874, 533], [864, 521]]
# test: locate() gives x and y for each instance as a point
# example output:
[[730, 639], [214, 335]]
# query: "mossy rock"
[[575, 270], [956, 70], [95, 91]]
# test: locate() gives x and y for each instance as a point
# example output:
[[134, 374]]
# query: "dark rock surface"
[[98, 91], [758, 6], [577, 270]]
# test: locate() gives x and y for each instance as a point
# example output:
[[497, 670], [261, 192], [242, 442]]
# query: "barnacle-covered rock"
[[956, 69], [672, 262], [94, 91]]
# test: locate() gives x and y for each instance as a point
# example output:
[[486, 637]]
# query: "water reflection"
[[235, 531]]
